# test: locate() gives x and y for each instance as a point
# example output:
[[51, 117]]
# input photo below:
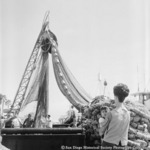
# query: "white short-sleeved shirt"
[[116, 126], [16, 122], [101, 120]]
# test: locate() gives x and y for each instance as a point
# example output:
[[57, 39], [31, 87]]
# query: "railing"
[[43, 139]]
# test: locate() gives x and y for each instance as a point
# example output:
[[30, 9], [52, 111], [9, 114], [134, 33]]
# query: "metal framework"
[[19, 97]]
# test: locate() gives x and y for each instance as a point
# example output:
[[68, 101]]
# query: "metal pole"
[[1, 113]]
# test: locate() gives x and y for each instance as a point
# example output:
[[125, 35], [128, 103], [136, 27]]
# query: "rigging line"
[[46, 17], [147, 85], [138, 84]]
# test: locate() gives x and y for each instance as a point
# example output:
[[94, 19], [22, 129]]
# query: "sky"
[[105, 37]]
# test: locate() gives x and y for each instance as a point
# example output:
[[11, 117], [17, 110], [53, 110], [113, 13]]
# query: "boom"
[[19, 97]]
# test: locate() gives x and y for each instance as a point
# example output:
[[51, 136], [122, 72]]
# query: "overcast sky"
[[94, 36]]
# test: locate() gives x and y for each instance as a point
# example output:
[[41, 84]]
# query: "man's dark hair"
[[104, 108], [121, 91]]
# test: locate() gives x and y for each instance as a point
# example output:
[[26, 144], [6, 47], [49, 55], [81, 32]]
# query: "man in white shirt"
[[16, 122], [103, 112], [49, 122]]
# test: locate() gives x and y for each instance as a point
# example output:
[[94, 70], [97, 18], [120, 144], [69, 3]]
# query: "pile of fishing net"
[[139, 131]]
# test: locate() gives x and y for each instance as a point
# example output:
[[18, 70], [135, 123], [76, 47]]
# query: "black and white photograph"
[[74, 74]]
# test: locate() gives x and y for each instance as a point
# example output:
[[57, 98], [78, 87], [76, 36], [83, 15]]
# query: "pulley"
[[46, 43], [48, 39]]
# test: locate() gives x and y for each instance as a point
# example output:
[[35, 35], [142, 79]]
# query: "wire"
[[46, 17]]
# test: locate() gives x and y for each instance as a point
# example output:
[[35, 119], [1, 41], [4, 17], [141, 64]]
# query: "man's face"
[[12, 114], [98, 116], [103, 113]]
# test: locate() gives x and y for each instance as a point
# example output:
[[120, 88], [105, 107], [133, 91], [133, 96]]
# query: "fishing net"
[[67, 83], [38, 90], [139, 131]]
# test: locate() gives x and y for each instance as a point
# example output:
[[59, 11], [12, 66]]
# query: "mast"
[[147, 48], [100, 83]]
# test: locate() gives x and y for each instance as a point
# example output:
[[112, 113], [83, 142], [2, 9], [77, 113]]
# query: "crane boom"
[[19, 97]]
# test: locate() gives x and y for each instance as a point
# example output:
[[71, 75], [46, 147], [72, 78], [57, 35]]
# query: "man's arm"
[[24, 122], [105, 124]]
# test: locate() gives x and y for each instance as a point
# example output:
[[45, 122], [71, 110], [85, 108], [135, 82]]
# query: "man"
[[28, 123], [16, 121], [8, 121], [70, 120], [48, 121], [116, 125], [43, 121]]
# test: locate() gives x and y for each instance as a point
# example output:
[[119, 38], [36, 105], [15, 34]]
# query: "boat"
[[143, 97]]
